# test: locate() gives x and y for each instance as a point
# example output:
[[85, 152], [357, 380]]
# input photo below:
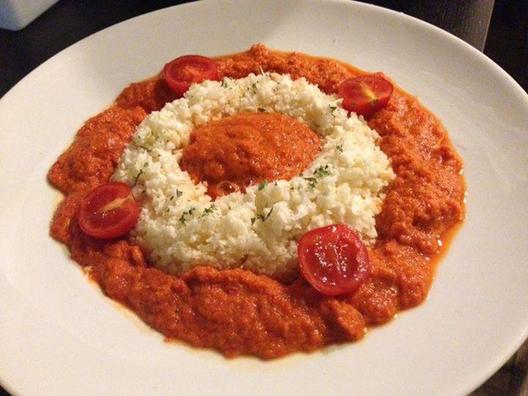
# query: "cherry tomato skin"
[[365, 95], [108, 211], [180, 73], [333, 259]]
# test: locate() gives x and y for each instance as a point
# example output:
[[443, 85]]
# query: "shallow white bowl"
[[60, 335]]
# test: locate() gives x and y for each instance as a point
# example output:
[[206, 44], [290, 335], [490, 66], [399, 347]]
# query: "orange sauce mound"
[[247, 148], [236, 311]]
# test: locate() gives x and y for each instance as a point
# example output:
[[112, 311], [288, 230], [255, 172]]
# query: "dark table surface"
[[499, 28]]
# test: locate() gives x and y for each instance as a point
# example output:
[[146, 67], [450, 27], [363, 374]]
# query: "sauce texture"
[[236, 311], [248, 148]]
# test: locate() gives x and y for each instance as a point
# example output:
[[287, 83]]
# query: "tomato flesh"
[[365, 95], [180, 73], [333, 259], [108, 211]]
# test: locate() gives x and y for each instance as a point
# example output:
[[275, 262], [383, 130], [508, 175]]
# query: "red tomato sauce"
[[248, 148], [236, 311]]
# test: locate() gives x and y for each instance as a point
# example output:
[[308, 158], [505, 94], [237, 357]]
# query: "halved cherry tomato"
[[365, 94], [108, 211], [185, 70], [333, 259]]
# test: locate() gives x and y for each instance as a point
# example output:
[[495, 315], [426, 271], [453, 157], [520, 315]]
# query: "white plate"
[[59, 335]]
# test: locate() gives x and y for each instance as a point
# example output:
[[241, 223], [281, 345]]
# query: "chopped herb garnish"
[[184, 217], [139, 174], [262, 185], [178, 195], [254, 86], [312, 181], [209, 210], [322, 171], [339, 148], [224, 84], [262, 217], [333, 107], [268, 215]]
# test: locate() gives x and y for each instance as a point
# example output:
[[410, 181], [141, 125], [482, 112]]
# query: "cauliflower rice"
[[181, 227]]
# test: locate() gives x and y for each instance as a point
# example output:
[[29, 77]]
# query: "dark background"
[[498, 27], [68, 21]]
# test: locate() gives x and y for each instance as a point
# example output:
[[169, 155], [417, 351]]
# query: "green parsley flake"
[[178, 195], [262, 217], [268, 215], [322, 171], [209, 210], [312, 181], [262, 185], [319, 173], [139, 174], [188, 213]]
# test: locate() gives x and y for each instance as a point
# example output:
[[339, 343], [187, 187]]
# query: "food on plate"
[[180, 73], [260, 203], [364, 95], [333, 259], [108, 211], [273, 141]]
